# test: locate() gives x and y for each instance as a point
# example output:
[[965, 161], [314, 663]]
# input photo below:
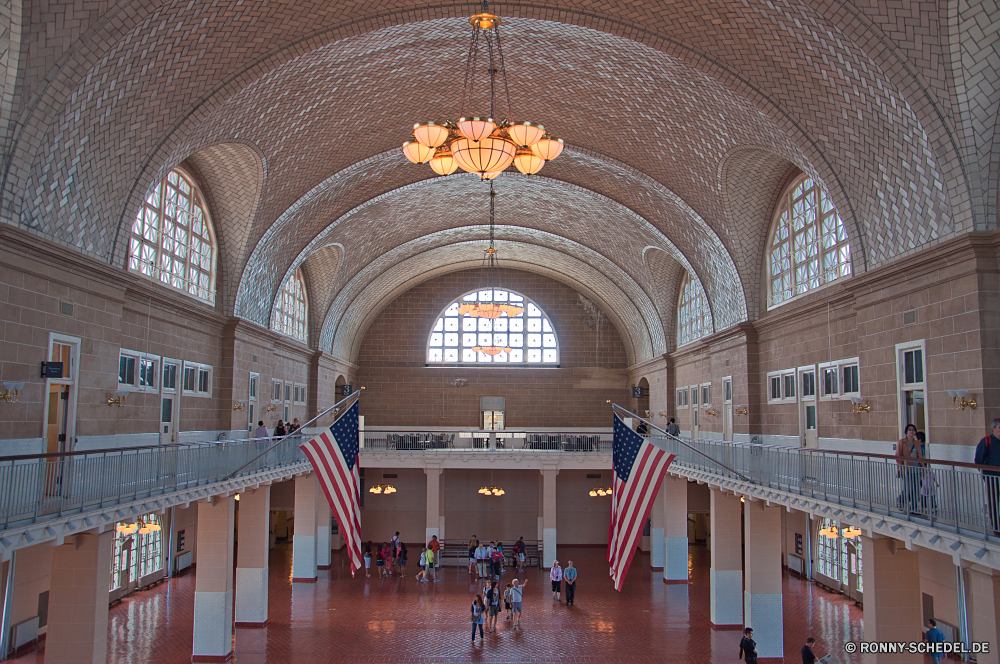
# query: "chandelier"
[[850, 532], [491, 491], [476, 143], [601, 491], [382, 488], [141, 528]]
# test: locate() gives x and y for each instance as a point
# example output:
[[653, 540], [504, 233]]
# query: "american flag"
[[639, 470], [333, 454]]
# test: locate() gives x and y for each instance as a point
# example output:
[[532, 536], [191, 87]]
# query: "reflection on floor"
[[340, 619]]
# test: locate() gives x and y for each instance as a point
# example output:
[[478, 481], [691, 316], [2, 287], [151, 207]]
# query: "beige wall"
[[31, 578]]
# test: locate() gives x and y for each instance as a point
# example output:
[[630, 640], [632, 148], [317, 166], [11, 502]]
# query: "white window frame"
[[821, 371], [278, 387], [705, 403], [300, 390], [682, 398], [176, 389], [139, 359], [785, 375], [727, 380], [198, 368], [253, 399], [696, 394], [902, 386], [772, 375], [288, 394], [841, 365], [800, 372]]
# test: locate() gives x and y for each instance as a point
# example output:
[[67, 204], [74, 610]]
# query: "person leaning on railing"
[[909, 448], [988, 454]]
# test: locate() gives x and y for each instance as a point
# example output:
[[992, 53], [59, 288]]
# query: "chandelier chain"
[[503, 73]]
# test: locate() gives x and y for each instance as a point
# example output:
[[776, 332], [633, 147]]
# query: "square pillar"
[[324, 515], [984, 610], [762, 608], [213, 591], [675, 529], [78, 600], [433, 524], [549, 516], [251, 565], [657, 515], [307, 493], [892, 596], [727, 564]]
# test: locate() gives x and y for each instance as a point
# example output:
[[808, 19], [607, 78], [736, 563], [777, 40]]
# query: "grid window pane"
[[291, 308], [694, 317]]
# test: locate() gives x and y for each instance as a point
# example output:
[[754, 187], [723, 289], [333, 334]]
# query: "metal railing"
[[487, 440]]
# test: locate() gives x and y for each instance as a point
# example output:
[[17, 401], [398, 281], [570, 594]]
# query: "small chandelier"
[[382, 488], [600, 491], [479, 144], [143, 528], [491, 491]]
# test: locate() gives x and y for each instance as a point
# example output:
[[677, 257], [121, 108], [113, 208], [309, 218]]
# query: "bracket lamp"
[[120, 401], [739, 410], [271, 408], [860, 407], [709, 410], [958, 398], [661, 413], [240, 405], [11, 391]]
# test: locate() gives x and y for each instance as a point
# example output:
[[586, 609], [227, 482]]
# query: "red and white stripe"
[[341, 487], [630, 505]]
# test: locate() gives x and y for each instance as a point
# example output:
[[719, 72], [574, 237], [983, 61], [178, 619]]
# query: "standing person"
[[431, 561], [569, 575], [294, 426], [493, 604], [394, 552], [909, 448], [673, 429], [402, 560], [435, 546], [555, 575], [380, 560], [506, 601], [279, 430], [988, 454], [503, 560], [808, 656], [261, 430], [516, 598], [481, 561], [422, 574], [748, 647], [368, 560], [497, 557], [473, 543], [478, 617], [934, 635], [519, 553]]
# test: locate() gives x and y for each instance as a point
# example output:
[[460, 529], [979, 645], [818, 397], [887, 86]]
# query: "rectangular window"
[[147, 373], [254, 379], [789, 380], [705, 389], [197, 379], [913, 366], [850, 384], [728, 390], [288, 391], [694, 396], [169, 376], [190, 374], [203, 381], [276, 392], [775, 393], [830, 382], [126, 370], [808, 384], [138, 370], [680, 398]]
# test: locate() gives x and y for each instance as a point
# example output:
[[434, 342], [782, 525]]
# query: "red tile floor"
[[340, 619]]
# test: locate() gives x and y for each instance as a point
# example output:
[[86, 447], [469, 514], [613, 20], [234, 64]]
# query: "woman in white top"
[[556, 576]]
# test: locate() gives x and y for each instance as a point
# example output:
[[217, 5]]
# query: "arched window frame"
[[694, 316], [807, 245], [549, 349], [151, 251], [291, 308]]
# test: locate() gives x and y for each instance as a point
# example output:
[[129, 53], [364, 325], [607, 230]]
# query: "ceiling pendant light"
[[444, 162], [479, 143]]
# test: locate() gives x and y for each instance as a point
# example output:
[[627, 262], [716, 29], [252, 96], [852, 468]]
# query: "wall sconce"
[[740, 410], [271, 408], [11, 391], [709, 411], [958, 398], [860, 407], [662, 413], [240, 405], [120, 401]]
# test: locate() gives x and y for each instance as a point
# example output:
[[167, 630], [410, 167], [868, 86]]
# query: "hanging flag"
[[333, 454], [639, 469]]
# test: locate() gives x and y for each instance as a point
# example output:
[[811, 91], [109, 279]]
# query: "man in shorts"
[[516, 597]]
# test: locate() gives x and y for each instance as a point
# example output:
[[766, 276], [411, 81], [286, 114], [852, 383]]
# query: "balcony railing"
[[40, 487], [945, 494], [498, 441]]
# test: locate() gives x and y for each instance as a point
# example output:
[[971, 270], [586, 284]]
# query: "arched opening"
[[641, 395]]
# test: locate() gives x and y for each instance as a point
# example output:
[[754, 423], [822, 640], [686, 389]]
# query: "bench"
[[456, 552]]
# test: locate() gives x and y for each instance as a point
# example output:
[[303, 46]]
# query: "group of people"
[[490, 561], [389, 557], [557, 575], [486, 606], [280, 429]]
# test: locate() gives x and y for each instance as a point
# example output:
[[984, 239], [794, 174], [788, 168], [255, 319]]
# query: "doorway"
[[493, 420], [727, 408], [808, 432], [169, 402], [694, 411]]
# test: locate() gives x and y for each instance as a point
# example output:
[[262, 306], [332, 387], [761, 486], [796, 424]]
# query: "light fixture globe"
[[430, 134], [489, 176], [490, 155], [548, 148], [527, 161], [525, 133], [443, 163], [417, 153], [475, 128]]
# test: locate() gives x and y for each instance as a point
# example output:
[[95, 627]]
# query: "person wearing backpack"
[[497, 558], [519, 554], [493, 605], [988, 454]]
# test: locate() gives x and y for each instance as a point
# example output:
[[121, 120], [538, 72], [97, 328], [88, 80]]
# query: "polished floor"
[[340, 619]]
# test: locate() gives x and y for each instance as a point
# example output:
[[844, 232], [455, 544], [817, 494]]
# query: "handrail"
[[335, 407], [104, 450]]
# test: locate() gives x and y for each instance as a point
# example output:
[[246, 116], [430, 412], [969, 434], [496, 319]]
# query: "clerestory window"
[[173, 241], [694, 318], [292, 308], [521, 334]]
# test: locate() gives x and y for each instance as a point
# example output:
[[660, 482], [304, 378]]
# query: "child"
[[928, 491], [422, 574], [368, 560], [380, 561], [506, 602]]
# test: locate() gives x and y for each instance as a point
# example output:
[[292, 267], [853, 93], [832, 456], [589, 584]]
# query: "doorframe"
[[173, 393], [901, 387], [72, 382], [806, 401], [727, 408]]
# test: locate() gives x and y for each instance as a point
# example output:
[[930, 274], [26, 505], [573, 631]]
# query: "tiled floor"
[[340, 619]]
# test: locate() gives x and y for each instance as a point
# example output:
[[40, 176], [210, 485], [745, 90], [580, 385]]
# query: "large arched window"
[[172, 238], [694, 318], [291, 309], [526, 338], [809, 245]]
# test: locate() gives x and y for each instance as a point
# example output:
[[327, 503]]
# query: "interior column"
[[549, 516], [433, 525], [675, 525], [252, 563], [304, 534], [984, 610], [727, 564], [892, 595], [78, 600], [213, 591], [324, 514], [657, 516], [762, 608]]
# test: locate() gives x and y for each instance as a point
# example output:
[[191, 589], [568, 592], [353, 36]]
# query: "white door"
[[169, 402], [807, 408], [727, 409]]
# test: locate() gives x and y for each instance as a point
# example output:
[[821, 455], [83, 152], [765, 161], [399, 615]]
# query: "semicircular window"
[[493, 327]]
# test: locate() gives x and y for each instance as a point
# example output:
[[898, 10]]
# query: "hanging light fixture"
[[829, 532], [600, 491], [491, 489], [851, 532], [477, 143], [383, 489]]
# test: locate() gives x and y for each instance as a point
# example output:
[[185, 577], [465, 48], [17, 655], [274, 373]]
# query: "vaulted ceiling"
[[682, 122]]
